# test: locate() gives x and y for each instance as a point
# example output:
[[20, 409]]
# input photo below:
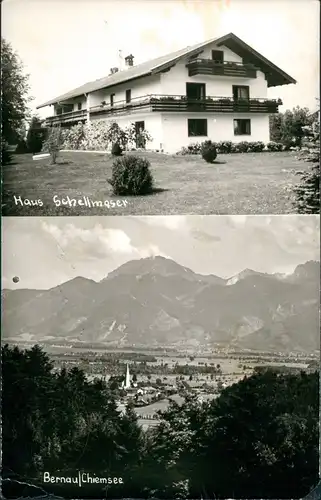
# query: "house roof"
[[274, 75]]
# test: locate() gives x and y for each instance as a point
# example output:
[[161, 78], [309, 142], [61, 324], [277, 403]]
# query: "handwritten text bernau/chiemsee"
[[80, 479], [67, 201]]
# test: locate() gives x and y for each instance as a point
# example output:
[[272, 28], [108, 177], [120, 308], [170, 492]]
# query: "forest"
[[258, 439]]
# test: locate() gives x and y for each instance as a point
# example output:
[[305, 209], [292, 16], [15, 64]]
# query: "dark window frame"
[[220, 59], [128, 96], [67, 108], [79, 106], [112, 99], [191, 123], [239, 122], [200, 86], [234, 92]]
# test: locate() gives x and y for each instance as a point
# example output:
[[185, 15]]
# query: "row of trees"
[[258, 439], [289, 127], [301, 128], [15, 111]]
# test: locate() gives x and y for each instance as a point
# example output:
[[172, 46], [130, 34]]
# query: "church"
[[126, 384]]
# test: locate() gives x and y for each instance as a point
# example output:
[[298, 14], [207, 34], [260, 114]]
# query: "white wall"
[[228, 54], [219, 128], [139, 88], [174, 83]]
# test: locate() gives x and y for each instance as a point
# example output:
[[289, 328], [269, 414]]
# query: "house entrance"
[[140, 141]]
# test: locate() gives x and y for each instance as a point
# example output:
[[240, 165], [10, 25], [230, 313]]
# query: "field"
[[250, 183]]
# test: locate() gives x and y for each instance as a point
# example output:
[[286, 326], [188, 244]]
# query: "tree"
[[307, 192], [36, 135], [288, 127], [15, 89], [53, 143], [261, 439]]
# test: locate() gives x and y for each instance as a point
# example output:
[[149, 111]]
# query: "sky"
[[66, 43], [45, 252]]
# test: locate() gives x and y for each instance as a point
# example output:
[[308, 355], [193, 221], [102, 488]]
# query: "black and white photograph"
[[160, 272], [160, 357], [168, 107]]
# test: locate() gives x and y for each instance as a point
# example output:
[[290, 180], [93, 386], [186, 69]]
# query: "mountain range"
[[156, 302]]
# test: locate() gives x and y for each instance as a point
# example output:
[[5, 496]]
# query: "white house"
[[213, 90]]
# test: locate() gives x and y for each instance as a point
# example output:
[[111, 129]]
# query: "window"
[[241, 92], [218, 56], [112, 97], [128, 95], [242, 127], [197, 128], [79, 106], [195, 91], [67, 108]]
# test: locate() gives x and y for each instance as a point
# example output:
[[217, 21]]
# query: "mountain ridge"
[[156, 301]]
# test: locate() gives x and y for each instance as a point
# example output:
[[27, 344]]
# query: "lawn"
[[250, 183]]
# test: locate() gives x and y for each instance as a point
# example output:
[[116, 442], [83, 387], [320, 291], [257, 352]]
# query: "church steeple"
[[126, 383]]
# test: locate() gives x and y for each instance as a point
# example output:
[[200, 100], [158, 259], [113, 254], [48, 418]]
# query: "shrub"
[[21, 147], [274, 146], [134, 138], [53, 143], [191, 149], [242, 147], [307, 192], [194, 149], [256, 147], [100, 134], [225, 147], [183, 151], [208, 151], [116, 150], [6, 156], [131, 175]]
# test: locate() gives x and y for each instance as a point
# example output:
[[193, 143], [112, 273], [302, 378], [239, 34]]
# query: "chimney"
[[129, 61], [113, 70]]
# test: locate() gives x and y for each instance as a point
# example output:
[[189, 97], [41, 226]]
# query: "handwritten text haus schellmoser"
[[69, 202]]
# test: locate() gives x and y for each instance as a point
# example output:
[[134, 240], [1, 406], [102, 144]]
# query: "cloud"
[[172, 222], [98, 242]]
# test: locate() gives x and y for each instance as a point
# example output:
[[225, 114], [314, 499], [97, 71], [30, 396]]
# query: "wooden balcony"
[[226, 68], [67, 118], [169, 104], [181, 103], [214, 105]]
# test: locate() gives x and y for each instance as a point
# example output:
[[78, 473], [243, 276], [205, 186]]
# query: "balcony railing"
[[226, 68], [171, 103], [167, 103], [215, 104], [70, 117]]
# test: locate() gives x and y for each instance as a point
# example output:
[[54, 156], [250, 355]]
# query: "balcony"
[[169, 104], [214, 104], [226, 68], [69, 118], [179, 103]]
